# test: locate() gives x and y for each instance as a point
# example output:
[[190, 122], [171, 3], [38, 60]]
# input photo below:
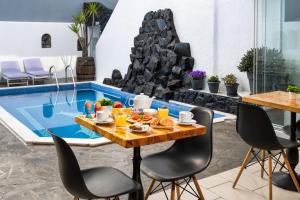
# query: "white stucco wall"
[[19, 40], [219, 31]]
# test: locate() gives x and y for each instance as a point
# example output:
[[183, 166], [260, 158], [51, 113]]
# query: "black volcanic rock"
[[182, 49], [116, 74], [159, 61], [107, 81]]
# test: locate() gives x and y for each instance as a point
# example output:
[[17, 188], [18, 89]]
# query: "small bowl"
[[150, 112]]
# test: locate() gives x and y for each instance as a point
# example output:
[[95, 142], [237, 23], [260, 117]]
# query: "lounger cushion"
[[14, 75], [38, 73]]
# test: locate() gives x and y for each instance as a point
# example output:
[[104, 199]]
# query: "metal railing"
[[55, 75], [72, 74]]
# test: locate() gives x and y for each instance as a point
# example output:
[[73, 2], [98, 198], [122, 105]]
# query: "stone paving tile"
[[31, 172]]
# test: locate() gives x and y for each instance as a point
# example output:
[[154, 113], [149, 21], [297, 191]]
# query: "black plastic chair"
[[256, 129], [184, 159], [93, 183]]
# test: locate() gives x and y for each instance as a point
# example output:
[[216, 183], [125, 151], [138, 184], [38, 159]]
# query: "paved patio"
[[31, 172], [250, 186]]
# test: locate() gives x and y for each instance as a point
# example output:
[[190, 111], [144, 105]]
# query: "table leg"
[[136, 175], [281, 179]]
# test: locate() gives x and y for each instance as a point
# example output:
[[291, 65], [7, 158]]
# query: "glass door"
[[277, 45], [277, 48]]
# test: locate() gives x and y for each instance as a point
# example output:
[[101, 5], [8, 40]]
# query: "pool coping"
[[28, 137]]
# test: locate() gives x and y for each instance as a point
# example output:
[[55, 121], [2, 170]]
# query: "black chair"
[[184, 159], [93, 183], [256, 129]]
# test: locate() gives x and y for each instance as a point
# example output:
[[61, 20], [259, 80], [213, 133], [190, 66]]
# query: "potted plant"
[[269, 73], [85, 65], [197, 79], [213, 84], [293, 90], [231, 84]]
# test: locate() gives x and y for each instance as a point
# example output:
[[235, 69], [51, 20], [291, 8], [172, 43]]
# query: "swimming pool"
[[32, 112]]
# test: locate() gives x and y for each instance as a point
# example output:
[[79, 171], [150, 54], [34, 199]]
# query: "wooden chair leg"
[[177, 190], [270, 176], [198, 188], [149, 189], [245, 163], [75, 198], [262, 158], [291, 171], [173, 191], [117, 198]]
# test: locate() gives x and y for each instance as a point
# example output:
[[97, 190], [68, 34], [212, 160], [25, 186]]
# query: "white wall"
[[20, 40], [234, 36], [219, 32]]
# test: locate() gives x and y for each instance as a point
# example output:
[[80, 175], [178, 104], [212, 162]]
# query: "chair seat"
[[38, 73], [288, 143], [14, 75], [104, 182], [172, 165]]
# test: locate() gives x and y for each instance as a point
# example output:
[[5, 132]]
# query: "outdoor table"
[[288, 102], [127, 139]]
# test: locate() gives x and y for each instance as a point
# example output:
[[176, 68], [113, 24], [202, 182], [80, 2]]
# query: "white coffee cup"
[[102, 116], [185, 116]]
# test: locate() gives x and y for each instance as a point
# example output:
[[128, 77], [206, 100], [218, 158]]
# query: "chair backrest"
[[33, 64], [199, 147], [255, 127], [69, 169], [9, 66]]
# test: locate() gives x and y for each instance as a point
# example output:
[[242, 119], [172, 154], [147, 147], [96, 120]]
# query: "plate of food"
[[165, 123], [139, 127], [140, 117]]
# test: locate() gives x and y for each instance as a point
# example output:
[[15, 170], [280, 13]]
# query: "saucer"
[[109, 121], [186, 123]]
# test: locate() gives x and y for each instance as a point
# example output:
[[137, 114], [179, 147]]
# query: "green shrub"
[[293, 88], [213, 79], [268, 60], [230, 79]]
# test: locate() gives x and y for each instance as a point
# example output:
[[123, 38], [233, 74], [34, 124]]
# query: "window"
[[46, 40]]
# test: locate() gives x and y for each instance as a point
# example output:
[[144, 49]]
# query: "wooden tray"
[[162, 127]]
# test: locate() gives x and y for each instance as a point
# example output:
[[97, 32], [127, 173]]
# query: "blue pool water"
[[43, 108]]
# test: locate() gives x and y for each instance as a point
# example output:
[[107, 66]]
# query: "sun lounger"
[[34, 68], [10, 71]]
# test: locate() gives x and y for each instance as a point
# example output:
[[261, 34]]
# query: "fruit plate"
[[130, 120]]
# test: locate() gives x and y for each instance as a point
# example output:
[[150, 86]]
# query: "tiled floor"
[[250, 187]]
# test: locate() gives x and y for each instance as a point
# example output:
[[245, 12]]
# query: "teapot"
[[141, 101]]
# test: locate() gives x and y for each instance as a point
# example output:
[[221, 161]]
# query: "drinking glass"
[[163, 112], [120, 120]]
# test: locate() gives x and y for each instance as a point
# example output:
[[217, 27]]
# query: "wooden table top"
[[128, 140], [278, 99]]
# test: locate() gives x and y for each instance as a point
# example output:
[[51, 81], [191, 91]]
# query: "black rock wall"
[[159, 61]]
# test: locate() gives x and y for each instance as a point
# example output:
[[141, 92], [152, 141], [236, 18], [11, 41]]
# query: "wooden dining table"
[[127, 139], [288, 102]]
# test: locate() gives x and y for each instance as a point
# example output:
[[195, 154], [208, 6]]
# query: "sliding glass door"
[[277, 45]]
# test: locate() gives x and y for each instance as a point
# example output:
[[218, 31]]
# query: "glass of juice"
[[120, 120], [163, 112]]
